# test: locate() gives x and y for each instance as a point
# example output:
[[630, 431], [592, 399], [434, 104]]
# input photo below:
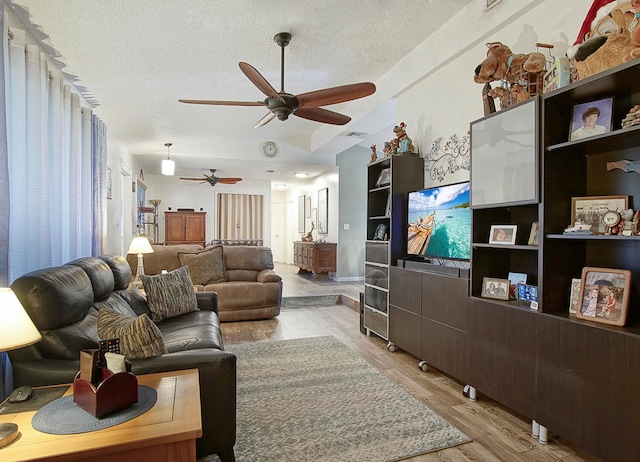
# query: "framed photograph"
[[323, 212], [514, 280], [301, 214], [533, 235], [590, 119], [384, 178], [590, 210], [604, 295], [574, 299], [527, 293], [381, 231], [503, 234], [307, 207], [495, 288]]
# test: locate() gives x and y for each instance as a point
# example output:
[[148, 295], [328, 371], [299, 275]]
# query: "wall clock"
[[269, 149]]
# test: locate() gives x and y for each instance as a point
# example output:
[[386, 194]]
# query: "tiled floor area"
[[305, 284]]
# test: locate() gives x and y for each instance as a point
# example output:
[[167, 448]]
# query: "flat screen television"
[[439, 222]]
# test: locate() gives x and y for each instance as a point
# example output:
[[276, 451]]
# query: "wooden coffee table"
[[166, 432]]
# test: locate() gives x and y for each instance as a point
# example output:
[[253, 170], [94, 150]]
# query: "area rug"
[[314, 399]]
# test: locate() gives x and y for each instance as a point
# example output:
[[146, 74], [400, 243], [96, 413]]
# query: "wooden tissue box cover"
[[115, 392]]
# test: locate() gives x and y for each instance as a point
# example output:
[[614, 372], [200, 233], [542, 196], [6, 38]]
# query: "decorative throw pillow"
[[170, 294], [206, 267], [139, 337]]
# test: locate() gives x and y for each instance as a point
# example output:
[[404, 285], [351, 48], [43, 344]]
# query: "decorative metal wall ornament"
[[440, 161]]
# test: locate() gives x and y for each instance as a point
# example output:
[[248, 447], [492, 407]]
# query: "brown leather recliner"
[[63, 303]]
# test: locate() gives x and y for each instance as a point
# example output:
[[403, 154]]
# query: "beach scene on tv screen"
[[439, 222]]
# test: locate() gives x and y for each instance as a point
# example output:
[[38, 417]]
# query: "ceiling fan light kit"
[[168, 166], [306, 105]]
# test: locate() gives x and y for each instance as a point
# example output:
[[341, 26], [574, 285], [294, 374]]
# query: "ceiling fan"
[[213, 179], [306, 105]]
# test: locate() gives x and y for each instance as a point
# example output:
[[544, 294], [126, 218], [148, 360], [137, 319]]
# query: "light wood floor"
[[497, 434]]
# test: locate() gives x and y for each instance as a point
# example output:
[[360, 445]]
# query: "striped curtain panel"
[[240, 216]]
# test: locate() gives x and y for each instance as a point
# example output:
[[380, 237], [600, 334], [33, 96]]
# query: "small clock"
[[611, 218], [269, 149]]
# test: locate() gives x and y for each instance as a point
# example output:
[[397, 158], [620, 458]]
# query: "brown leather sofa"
[[63, 303], [251, 289]]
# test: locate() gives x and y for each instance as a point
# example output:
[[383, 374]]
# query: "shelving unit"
[[388, 181], [144, 220], [567, 374]]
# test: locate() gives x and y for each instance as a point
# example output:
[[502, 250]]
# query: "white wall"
[[176, 193], [328, 180], [446, 99]]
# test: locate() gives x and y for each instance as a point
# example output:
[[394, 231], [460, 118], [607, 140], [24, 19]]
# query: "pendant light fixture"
[[168, 166]]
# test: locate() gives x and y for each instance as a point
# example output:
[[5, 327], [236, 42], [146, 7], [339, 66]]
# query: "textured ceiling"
[[137, 58]]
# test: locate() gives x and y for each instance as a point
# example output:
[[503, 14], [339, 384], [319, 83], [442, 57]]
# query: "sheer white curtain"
[[50, 171]]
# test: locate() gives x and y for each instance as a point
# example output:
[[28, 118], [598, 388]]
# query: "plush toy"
[[502, 64], [404, 144], [634, 31], [606, 38]]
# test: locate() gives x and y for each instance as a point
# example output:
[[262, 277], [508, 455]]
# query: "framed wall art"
[[301, 205], [503, 234], [590, 210], [590, 119], [495, 288], [323, 211], [604, 295]]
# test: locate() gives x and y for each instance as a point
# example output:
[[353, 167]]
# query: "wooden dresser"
[[316, 257], [185, 228]]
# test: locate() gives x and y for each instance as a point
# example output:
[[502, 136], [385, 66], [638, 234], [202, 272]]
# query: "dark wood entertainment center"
[[578, 379]]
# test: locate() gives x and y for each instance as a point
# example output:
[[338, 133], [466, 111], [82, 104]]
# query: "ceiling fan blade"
[[268, 117], [229, 180], [194, 179], [223, 103], [259, 81], [335, 95], [319, 114]]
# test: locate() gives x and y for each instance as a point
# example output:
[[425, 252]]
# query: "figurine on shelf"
[[309, 236], [374, 154], [402, 139]]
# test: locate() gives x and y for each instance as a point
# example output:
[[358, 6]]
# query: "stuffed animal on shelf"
[[502, 64], [607, 38], [374, 154], [403, 142]]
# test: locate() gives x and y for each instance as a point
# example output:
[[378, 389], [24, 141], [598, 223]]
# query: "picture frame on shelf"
[[574, 297], [527, 293], [604, 295], [495, 288], [591, 118], [533, 234], [387, 210], [380, 232], [590, 210], [503, 234], [514, 280], [384, 178]]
